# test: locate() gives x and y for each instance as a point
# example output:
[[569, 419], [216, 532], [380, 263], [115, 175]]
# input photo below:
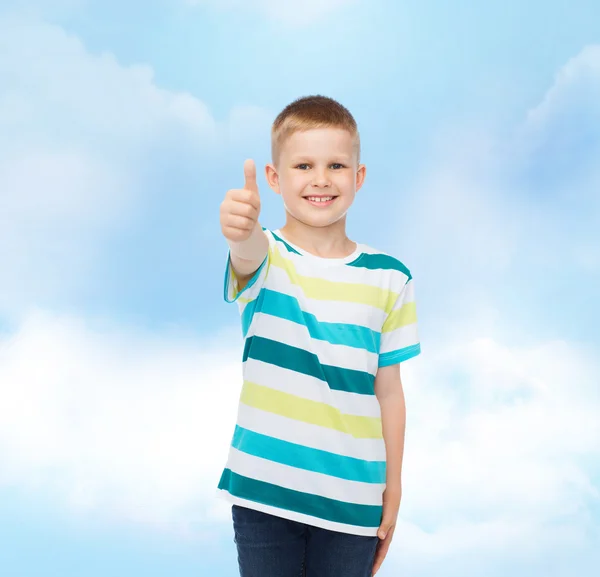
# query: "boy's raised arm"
[[247, 241]]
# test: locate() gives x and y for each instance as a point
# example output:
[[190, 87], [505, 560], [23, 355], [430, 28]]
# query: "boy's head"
[[315, 148], [308, 113]]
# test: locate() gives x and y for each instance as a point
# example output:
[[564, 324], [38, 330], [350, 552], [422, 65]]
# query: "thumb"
[[250, 176]]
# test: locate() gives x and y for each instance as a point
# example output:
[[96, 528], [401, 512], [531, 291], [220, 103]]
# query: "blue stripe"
[[248, 314], [400, 355], [308, 459], [287, 307]]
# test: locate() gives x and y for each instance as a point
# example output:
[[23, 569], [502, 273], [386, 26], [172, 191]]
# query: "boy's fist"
[[241, 207]]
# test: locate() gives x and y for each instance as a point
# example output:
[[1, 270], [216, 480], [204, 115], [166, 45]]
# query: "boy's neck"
[[326, 242]]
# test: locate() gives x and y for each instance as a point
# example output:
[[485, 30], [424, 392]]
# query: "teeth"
[[320, 198]]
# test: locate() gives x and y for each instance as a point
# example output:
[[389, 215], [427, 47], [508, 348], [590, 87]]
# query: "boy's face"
[[317, 175]]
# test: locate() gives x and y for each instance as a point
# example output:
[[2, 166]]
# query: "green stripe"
[[379, 262], [307, 458], [305, 503], [287, 246], [301, 361], [287, 307]]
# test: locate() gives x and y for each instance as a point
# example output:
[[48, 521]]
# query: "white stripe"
[[378, 278], [298, 517], [310, 388], [309, 435], [407, 296], [337, 272], [341, 272], [303, 480], [403, 337], [326, 310], [296, 335]]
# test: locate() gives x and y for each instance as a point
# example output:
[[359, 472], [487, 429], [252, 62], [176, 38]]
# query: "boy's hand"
[[391, 506], [241, 207]]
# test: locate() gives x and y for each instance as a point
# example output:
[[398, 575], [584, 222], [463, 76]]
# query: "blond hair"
[[311, 112]]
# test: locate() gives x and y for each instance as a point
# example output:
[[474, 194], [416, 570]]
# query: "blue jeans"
[[270, 546]]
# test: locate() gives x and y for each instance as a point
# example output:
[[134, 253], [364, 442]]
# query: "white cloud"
[[113, 422], [54, 82], [74, 130], [512, 432], [576, 90], [78, 133], [560, 139], [521, 208], [288, 12]]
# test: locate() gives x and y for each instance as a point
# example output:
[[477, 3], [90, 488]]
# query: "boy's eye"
[[305, 166]]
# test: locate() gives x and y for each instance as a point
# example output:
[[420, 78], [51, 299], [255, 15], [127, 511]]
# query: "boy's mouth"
[[320, 200]]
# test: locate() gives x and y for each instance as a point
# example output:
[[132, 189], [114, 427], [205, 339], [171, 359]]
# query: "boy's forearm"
[[393, 417], [248, 255]]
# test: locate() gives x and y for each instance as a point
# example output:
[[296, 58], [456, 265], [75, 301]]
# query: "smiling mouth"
[[320, 200]]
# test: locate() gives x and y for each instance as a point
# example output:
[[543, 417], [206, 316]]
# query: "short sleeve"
[[231, 292], [399, 334]]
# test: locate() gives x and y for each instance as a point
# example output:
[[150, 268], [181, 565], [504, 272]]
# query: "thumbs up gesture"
[[241, 208]]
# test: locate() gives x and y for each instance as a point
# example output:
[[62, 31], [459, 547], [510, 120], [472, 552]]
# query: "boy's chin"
[[317, 221]]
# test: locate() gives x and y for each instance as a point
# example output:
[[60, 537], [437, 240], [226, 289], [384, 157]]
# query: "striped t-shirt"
[[308, 443]]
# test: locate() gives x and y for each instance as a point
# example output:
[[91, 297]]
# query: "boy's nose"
[[321, 180]]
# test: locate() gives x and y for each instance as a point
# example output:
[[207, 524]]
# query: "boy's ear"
[[361, 173], [272, 177]]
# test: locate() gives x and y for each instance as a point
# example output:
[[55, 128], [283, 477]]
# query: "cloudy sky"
[[121, 128]]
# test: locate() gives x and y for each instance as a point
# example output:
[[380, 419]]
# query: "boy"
[[314, 468]]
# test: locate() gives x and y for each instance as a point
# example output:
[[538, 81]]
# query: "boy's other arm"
[[389, 392], [388, 389], [248, 244]]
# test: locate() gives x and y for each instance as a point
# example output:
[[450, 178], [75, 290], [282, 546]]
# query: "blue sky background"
[[121, 128]]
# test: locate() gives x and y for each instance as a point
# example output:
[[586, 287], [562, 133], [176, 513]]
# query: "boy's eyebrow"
[[333, 158]]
